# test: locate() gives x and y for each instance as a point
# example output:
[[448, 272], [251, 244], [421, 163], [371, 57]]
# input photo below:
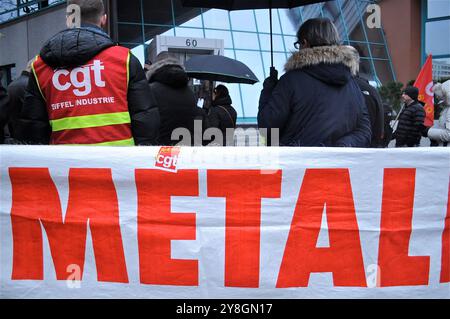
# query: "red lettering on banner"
[[344, 257], [157, 226], [243, 190], [445, 264], [92, 196], [396, 267]]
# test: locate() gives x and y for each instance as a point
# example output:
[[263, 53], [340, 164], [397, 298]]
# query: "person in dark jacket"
[[375, 108], [317, 102], [176, 102], [16, 93], [68, 51], [4, 110], [222, 114], [410, 121]]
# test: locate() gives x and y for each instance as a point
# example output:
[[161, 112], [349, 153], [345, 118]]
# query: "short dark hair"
[[91, 10], [221, 90], [318, 32]]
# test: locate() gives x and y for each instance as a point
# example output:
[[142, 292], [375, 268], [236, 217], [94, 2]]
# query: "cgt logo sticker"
[[167, 158]]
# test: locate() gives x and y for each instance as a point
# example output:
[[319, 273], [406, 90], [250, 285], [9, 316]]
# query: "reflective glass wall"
[[437, 36], [247, 38]]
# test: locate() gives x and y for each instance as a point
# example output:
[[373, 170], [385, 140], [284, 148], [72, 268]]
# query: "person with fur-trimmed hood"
[[441, 131], [317, 102], [176, 102]]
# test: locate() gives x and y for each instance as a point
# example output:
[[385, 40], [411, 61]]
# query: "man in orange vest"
[[85, 90]]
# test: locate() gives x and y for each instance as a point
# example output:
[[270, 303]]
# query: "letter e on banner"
[[157, 226]]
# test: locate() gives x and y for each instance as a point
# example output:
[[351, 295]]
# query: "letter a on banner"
[[344, 256], [92, 196]]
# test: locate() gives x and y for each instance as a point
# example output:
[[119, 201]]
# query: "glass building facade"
[[246, 36], [436, 36]]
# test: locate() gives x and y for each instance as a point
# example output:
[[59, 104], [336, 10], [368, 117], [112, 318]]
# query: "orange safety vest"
[[87, 105]]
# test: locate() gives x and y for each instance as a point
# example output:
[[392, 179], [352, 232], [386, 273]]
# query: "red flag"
[[424, 83]]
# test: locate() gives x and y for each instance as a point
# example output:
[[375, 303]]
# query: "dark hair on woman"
[[318, 32], [221, 91]]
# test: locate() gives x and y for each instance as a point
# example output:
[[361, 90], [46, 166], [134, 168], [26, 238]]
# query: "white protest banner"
[[256, 222]]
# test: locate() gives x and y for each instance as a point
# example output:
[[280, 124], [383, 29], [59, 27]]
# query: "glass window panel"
[[263, 20], [351, 13], [437, 37], [185, 15], [311, 11], [277, 42], [289, 43], [243, 20], [289, 21], [253, 60], [245, 40], [229, 53], [384, 71], [438, 8], [189, 32], [216, 19], [366, 70], [441, 69], [362, 49], [139, 53], [152, 31], [279, 60], [130, 33], [129, 11], [224, 35], [157, 12], [378, 51]]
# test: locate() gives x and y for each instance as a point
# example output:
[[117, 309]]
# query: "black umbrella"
[[219, 68], [250, 4]]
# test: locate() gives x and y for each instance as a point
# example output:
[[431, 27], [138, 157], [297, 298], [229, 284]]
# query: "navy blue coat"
[[317, 102]]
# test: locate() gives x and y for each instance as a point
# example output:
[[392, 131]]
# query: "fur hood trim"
[[346, 55], [155, 67]]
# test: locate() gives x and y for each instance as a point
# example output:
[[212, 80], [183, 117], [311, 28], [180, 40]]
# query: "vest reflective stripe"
[[37, 79], [127, 142], [76, 122]]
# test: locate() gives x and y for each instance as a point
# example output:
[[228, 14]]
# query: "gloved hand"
[[272, 80]]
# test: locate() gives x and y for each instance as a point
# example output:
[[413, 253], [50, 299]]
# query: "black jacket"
[[410, 125], [222, 115], [16, 93], [375, 109], [317, 102], [176, 102], [74, 47], [4, 110]]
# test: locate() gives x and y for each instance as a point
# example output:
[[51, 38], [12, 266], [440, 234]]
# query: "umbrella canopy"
[[250, 4], [247, 4], [219, 68]]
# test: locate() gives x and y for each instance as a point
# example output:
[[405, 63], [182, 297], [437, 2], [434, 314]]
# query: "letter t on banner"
[[243, 190]]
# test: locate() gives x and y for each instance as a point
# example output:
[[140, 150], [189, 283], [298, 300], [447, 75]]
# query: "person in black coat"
[[222, 114], [16, 93], [376, 111], [176, 102], [74, 47], [4, 110], [410, 121], [317, 102]]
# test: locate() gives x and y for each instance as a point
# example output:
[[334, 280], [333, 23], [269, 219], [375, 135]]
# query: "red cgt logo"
[[167, 158]]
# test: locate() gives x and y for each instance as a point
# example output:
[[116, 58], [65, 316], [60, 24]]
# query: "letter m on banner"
[[92, 201]]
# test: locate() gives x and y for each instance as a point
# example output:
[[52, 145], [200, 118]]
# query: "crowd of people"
[[84, 89]]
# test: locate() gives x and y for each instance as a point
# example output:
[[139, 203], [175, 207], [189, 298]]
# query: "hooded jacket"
[[74, 47], [16, 93], [317, 101], [410, 125], [176, 102], [222, 115], [4, 111], [441, 131]]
